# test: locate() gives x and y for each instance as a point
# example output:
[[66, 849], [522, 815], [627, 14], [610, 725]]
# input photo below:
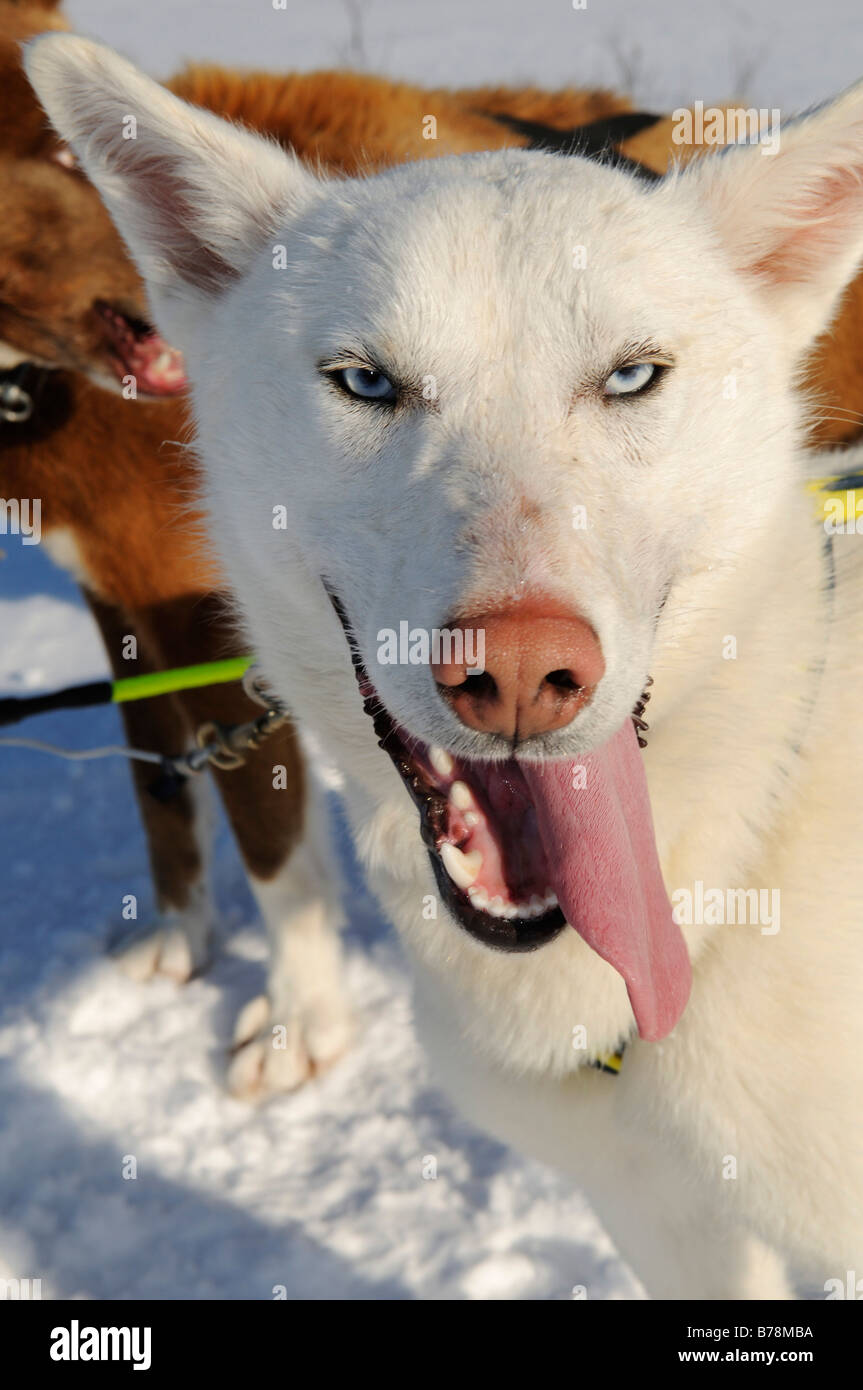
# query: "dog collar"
[[610, 1062]]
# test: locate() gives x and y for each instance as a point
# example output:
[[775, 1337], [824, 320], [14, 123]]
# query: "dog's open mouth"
[[519, 849], [135, 349], [479, 824]]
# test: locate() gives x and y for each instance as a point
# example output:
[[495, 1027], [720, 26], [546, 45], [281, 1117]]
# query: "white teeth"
[[462, 868], [441, 761], [460, 796], [163, 362], [455, 861], [525, 911], [498, 908], [471, 819]]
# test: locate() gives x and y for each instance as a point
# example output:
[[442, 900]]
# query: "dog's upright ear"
[[194, 197], [790, 211]]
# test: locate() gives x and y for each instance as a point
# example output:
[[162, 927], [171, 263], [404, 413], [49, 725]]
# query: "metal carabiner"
[[16, 404]]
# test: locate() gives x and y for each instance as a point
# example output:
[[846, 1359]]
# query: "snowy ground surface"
[[321, 1192]]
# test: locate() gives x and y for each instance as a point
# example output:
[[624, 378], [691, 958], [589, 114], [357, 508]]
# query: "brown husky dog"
[[116, 496]]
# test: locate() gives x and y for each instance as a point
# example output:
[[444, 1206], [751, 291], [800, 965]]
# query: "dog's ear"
[[194, 197], [791, 216]]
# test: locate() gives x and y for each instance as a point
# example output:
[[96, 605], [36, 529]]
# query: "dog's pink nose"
[[542, 663]]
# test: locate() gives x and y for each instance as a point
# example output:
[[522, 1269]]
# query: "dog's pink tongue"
[[601, 851]]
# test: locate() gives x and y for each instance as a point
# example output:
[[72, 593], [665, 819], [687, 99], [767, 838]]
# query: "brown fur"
[[22, 123], [106, 476], [56, 259], [100, 464], [350, 122], [126, 507]]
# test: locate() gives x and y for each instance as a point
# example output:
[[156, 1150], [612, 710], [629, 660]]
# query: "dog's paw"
[[273, 1055], [178, 946]]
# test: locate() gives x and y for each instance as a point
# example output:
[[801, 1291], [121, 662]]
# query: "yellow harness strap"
[[838, 500]]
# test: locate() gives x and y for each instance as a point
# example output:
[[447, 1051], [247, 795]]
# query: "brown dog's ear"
[[195, 198]]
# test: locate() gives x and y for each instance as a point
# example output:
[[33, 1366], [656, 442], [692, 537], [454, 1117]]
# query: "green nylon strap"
[[181, 678]]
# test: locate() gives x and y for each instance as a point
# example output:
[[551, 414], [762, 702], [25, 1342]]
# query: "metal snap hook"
[[16, 404]]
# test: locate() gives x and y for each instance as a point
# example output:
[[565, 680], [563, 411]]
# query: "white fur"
[[178, 942], [304, 1022], [61, 543], [463, 270], [13, 357]]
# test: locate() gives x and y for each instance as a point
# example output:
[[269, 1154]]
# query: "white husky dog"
[[529, 401]]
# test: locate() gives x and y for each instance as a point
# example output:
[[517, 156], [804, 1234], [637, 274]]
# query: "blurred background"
[[664, 51]]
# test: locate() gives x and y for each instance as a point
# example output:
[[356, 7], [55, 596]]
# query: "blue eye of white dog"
[[366, 384], [628, 381]]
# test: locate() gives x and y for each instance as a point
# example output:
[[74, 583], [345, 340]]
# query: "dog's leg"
[[177, 830], [304, 1022], [178, 943], [279, 826]]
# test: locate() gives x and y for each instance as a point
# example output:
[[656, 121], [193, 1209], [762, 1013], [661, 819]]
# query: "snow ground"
[[321, 1192]]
